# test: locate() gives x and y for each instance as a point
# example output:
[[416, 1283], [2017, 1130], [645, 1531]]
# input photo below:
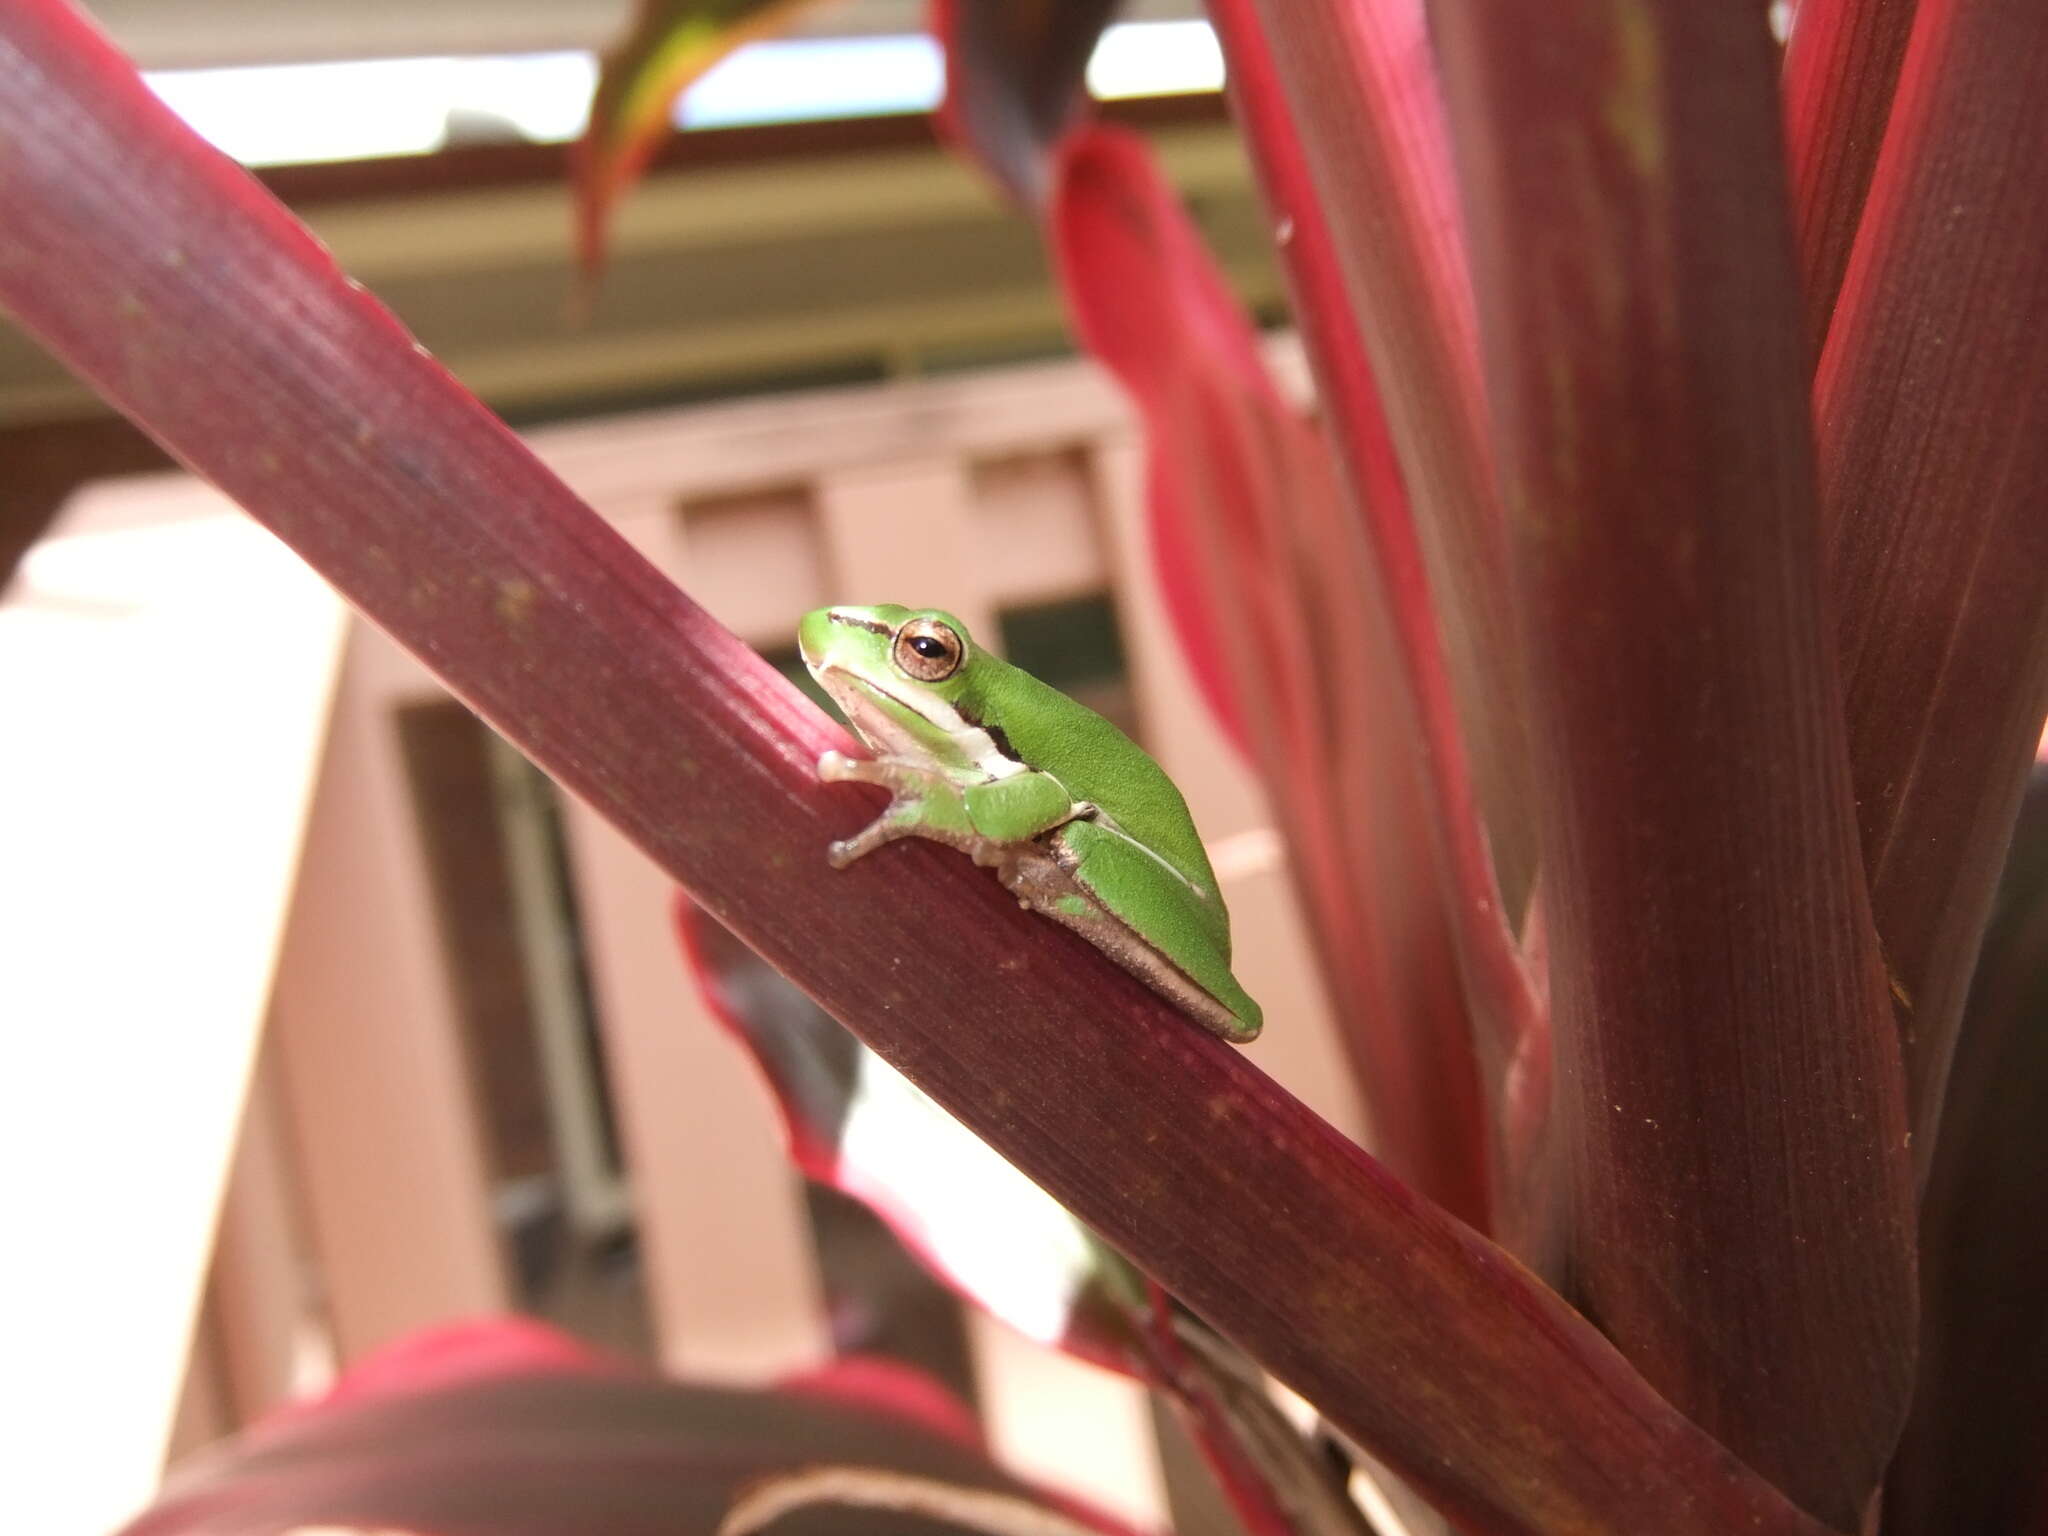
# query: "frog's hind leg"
[[1166, 931], [1043, 883]]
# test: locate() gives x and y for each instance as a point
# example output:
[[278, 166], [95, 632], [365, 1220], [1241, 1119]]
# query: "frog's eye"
[[929, 651]]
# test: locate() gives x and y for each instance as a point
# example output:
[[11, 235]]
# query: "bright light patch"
[[293, 113], [1003, 1239], [817, 78], [286, 114], [1156, 58]]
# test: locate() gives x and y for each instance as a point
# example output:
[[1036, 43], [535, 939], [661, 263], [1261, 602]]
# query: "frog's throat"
[[873, 711]]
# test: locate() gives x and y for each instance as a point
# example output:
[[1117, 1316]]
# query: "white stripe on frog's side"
[[856, 697]]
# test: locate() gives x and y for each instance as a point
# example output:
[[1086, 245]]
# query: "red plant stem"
[[1841, 65], [1729, 1086], [1502, 1000], [1932, 404], [1366, 127], [163, 275]]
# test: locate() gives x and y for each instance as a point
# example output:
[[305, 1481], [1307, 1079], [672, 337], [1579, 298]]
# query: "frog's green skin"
[[1079, 823]]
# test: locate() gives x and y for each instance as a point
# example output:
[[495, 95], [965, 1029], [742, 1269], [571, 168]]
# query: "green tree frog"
[[1075, 819]]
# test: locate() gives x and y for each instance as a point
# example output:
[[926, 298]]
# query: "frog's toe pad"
[[833, 766]]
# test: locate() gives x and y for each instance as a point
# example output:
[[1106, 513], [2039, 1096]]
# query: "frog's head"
[[898, 673]]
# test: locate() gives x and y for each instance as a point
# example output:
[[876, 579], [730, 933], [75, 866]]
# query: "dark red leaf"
[[195, 303], [1975, 1454], [1841, 65], [456, 1354], [1731, 1095], [555, 1450], [1016, 81], [871, 1381], [1271, 583], [1360, 86], [1932, 405]]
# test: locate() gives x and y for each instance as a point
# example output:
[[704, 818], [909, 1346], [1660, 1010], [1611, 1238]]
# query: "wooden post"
[[369, 1051], [259, 1298], [730, 1276]]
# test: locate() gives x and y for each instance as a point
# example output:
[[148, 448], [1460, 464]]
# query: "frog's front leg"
[[925, 803], [981, 819]]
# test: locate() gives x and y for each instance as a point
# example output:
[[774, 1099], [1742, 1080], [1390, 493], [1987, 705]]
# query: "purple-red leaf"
[[1731, 1096], [853, 1122], [167, 278], [1361, 87], [1271, 585], [1932, 404], [1015, 82], [559, 1447], [1975, 1453], [1841, 65], [1504, 1007]]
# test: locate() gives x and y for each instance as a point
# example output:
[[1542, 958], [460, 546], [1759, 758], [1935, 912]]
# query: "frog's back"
[[1097, 762]]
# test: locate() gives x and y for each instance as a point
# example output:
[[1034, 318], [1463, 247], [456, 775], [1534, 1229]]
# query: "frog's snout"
[[813, 635]]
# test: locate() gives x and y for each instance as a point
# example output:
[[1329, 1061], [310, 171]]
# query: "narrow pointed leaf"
[[670, 45], [1497, 984], [1972, 1458], [196, 304], [1016, 81], [1841, 67], [1360, 83], [1731, 1091], [559, 1449], [1932, 405], [852, 1121], [1270, 581]]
